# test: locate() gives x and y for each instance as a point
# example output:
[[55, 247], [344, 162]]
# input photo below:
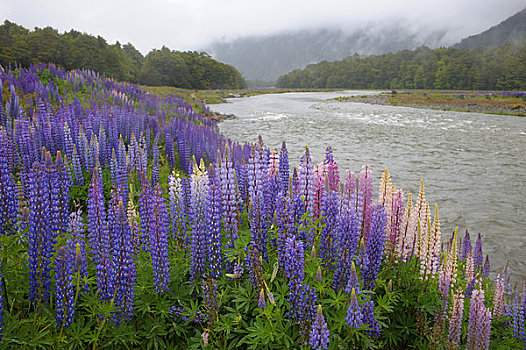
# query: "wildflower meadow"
[[128, 221]]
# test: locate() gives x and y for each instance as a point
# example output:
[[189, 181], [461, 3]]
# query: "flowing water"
[[473, 165]]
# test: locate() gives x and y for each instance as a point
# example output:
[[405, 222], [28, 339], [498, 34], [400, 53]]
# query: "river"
[[473, 165]]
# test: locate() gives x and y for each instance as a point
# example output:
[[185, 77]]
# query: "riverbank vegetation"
[[74, 50], [493, 102], [128, 221], [496, 68]]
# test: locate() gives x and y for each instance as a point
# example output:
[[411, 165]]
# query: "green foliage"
[[75, 50], [500, 68]]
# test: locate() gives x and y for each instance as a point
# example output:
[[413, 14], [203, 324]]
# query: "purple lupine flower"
[[178, 209], [370, 320], [197, 214], [329, 209], [333, 174], [374, 248], [98, 237], [306, 180], [158, 241], [261, 300], [8, 196], [479, 326], [498, 297], [155, 161], [62, 205], [210, 300], [76, 248], [347, 238], [213, 226], [1, 288], [455, 320], [229, 197], [366, 189], [65, 301], [486, 267], [518, 322], [466, 246], [354, 317], [319, 334], [254, 266], [257, 169], [477, 255], [40, 237], [354, 282], [145, 209], [77, 168], [122, 279], [283, 168]]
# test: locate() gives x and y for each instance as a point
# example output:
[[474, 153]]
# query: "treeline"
[[75, 50], [500, 68]]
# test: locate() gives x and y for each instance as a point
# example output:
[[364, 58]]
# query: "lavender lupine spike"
[[306, 180], [333, 174], [123, 266], [517, 315], [486, 267], [395, 221], [178, 210], [97, 222], [145, 208], [76, 248], [319, 188], [62, 205], [498, 298], [77, 167], [158, 241], [375, 247], [455, 320], [319, 334], [366, 188], [466, 246], [1, 286], [354, 282], [40, 237], [479, 326], [284, 168], [229, 197], [354, 317], [198, 203], [213, 226], [477, 255], [65, 301], [99, 237], [370, 320], [329, 233], [8, 198]]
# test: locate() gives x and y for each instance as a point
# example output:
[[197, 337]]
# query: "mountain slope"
[[512, 30], [267, 57]]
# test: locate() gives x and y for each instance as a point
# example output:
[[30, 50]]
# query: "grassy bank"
[[493, 102]]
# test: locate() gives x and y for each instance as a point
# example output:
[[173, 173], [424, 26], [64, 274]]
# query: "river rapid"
[[473, 165]]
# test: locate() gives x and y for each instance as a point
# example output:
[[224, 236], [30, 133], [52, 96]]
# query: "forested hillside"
[[500, 68], [75, 50], [512, 30]]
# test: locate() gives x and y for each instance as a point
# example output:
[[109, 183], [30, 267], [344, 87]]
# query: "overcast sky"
[[192, 24]]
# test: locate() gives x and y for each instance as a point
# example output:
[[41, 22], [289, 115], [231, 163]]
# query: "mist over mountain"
[[265, 58], [512, 30]]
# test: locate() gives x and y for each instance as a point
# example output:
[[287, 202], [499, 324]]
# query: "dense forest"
[[75, 50], [498, 68]]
